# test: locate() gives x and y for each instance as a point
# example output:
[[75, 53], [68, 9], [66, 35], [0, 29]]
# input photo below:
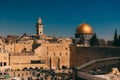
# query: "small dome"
[[84, 29]]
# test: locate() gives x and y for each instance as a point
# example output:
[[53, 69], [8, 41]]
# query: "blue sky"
[[62, 16]]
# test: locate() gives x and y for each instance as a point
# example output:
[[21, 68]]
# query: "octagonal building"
[[83, 34]]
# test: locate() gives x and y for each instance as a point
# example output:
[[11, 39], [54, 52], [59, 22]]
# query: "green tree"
[[115, 38], [94, 41]]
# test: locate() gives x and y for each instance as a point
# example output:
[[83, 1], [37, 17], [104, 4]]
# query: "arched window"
[[66, 48], [60, 54], [54, 54]]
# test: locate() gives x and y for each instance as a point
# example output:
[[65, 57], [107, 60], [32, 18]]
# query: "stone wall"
[[56, 55], [21, 62], [80, 55], [101, 64], [4, 61], [18, 47]]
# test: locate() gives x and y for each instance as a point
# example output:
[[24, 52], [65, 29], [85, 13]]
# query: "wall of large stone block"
[[98, 65], [4, 61], [20, 62], [54, 52], [18, 47], [80, 55]]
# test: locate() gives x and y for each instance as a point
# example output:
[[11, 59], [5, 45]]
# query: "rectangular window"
[[60, 54], [37, 62], [5, 63], [0, 64]]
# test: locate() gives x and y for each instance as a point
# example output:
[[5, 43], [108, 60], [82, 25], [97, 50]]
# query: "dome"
[[84, 29]]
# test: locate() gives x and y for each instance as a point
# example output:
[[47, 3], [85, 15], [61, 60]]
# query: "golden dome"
[[84, 29]]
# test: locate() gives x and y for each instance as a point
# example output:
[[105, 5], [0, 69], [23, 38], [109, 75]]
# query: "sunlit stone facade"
[[37, 50], [4, 61], [40, 50], [55, 55]]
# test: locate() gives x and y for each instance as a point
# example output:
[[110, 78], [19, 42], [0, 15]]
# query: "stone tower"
[[39, 27]]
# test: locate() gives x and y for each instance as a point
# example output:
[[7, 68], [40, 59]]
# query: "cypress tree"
[[94, 41], [115, 38]]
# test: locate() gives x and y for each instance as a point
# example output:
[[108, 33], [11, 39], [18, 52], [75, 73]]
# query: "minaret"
[[39, 27]]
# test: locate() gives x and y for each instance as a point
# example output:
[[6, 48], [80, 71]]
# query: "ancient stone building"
[[55, 55], [40, 50], [4, 61], [83, 34]]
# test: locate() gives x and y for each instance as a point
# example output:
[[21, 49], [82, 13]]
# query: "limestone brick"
[[20, 62], [4, 60], [54, 52]]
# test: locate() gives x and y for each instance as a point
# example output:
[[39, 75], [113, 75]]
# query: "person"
[[29, 78]]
